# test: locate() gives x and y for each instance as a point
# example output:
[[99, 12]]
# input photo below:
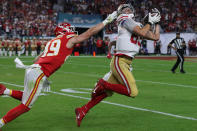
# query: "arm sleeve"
[[172, 42], [183, 40], [129, 24]]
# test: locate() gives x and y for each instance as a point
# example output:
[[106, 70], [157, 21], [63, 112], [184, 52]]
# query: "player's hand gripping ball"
[[153, 17]]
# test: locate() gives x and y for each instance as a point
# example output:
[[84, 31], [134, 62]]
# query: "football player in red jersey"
[[54, 55]]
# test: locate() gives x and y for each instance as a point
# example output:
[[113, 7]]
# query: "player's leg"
[[114, 87], [177, 62], [10, 53], [100, 87], [33, 84], [81, 112], [19, 53], [182, 62], [13, 93], [26, 53], [96, 98], [6, 52], [120, 67], [1, 52]]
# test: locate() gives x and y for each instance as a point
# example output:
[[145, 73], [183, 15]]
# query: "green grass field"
[[166, 101]]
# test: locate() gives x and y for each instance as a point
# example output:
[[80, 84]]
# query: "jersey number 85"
[[134, 39]]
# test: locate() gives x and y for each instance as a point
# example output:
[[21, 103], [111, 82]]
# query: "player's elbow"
[[156, 39]]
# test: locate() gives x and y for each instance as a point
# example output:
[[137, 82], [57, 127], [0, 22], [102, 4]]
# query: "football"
[[154, 13]]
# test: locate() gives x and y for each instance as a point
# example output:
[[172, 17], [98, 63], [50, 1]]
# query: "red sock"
[[15, 112], [118, 88], [17, 94], [93, 102]]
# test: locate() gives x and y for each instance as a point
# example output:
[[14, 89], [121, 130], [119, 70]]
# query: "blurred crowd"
[[34, 46], [177, 16], [27, 18], [192, 47], [29, 46], [94, 45], [39, 17]]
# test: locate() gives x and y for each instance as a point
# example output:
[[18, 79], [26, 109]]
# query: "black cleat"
[[182, 72], [173, 71]]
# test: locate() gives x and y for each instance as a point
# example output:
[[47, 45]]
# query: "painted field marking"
[[135, 68], [103, 66], [120, 105], [153, 82]]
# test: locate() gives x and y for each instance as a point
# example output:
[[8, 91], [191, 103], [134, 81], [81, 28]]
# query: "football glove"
[[153, 11], [110, 18], [46, 86], [153, 18]]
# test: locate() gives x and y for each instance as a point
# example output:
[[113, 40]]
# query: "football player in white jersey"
[[120, 79]]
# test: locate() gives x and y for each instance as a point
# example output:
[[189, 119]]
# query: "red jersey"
[[106, 43], [55, 54], [38, 43], [99, 43]]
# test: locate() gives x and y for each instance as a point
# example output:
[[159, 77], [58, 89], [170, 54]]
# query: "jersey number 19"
[[52, 48]]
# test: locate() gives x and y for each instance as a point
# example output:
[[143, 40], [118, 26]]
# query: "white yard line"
[[169, 84], [135, 68], [153, 82], [116, 104], [98, 75], [108, 67]]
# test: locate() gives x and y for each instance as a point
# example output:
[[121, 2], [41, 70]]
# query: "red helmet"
[[63, 28]]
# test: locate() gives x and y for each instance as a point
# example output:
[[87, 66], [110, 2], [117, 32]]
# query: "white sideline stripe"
[[11, 84], [102, 66], [136, 68], [116, 104], [162, 83], [131, 107], [153, 82]]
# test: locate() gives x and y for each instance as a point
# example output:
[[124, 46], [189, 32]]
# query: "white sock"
[[2, 123], [7, 92]]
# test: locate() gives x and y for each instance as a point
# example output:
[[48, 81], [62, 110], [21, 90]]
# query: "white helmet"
[[123, 6]]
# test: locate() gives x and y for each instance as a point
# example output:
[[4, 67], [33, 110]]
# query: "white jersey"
[[127, 42]]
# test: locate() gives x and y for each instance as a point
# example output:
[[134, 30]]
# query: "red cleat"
[[2, 89], [98, 89], [79, 116], [109, 56]]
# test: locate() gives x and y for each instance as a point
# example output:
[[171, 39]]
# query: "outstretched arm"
[[92, 31], [85, 35]]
